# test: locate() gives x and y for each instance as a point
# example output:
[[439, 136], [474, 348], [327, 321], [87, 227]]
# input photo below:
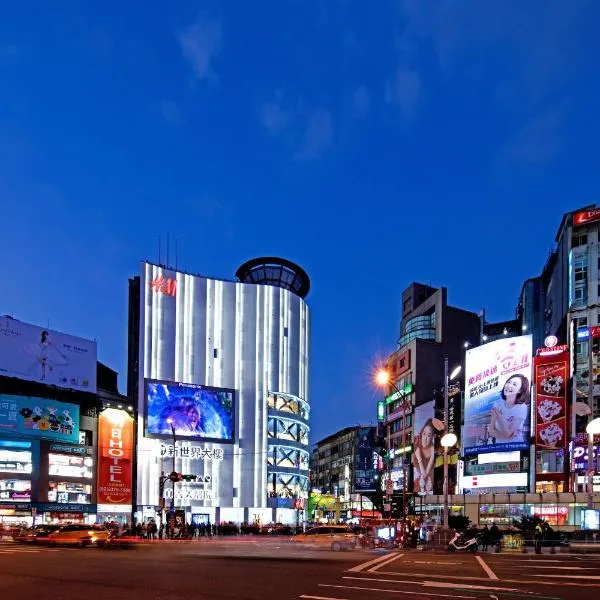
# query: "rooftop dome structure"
[[271, 270]]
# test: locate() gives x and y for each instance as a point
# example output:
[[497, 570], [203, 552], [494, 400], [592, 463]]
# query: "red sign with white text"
[[551, 380], [115, 456], [586, 216]]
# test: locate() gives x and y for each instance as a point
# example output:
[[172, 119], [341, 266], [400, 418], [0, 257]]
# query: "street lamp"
[[448, 441], [383, 379], [449, 437], [592, 429], [173, 477]]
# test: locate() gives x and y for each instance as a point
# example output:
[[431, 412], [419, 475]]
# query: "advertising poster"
[[423, 458], [115, 457], [365, 461], [39, 417], [46, 356], [194, 411], [551, 379], [498, 396]]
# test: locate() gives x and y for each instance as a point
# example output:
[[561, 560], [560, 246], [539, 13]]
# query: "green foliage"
[[459, 522], [529, 524]]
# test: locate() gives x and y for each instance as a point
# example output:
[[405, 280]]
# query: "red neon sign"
[[587, 216], [164, 285]]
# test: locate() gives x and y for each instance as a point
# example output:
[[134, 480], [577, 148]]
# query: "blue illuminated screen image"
[[195, 411]]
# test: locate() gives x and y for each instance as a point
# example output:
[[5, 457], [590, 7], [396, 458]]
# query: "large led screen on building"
[[37, 354], [498, 396], [39, 417], [193, 411]]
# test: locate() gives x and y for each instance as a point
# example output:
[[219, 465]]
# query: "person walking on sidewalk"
[[537, 537], [485, 538]]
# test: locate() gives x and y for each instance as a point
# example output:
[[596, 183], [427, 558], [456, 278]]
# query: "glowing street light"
[[593, 427], [383, 379], [448, 441]]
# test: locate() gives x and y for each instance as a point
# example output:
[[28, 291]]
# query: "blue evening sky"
[[374, 143]]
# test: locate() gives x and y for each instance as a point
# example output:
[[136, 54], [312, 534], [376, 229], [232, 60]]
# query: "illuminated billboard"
[[551, 379], [193, 411], [46, 356], [365, 460], [423, 457], [115, 457], [39, 417], [498, 396]]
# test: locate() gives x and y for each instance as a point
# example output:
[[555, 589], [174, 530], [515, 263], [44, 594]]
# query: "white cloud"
[[404, 90], [274, 118], [200, 43], [538, 141], [308, 132], [317, 135]]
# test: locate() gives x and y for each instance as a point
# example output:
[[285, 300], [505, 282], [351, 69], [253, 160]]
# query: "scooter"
[[461, 544]]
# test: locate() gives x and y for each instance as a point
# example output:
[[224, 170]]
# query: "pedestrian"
[[495, 536], [485, 538], [144, 531], [161, 531], [537, 537]]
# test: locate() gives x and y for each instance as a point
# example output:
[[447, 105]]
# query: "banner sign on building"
[[365, 460], [498, 396], [115, 456], [551, 380], [46, 356], [423, 457], [39, 417]]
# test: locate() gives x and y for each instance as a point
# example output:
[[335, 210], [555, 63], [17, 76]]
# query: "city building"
[[219, 369], [51, 392], [344, 470], [431, 331]]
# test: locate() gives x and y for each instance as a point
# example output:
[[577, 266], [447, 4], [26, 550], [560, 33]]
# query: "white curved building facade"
[[223, 365]]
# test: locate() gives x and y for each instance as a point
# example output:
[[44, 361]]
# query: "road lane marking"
[[368, 589], [588, 577], [320, 597], [485, 567], [371, 562], [384, 563]]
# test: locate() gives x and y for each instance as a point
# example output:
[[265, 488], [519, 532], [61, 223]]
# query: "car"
[[37, 534], [334, 537], [79, 535]]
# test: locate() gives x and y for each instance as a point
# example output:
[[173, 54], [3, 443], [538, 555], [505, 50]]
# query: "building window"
[[215, 353], [580, 271], [580, 240]]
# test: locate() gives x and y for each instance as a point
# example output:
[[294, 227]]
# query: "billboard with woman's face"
[[193, 411], [498, 396], [423, 458]]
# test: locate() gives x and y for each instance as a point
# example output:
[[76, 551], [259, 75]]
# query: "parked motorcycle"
[[461, 543]]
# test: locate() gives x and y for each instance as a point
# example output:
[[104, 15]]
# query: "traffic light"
[[189, 477]]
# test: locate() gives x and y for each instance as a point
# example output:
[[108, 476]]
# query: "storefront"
[[563, 511], [15, 514], [58, 513]]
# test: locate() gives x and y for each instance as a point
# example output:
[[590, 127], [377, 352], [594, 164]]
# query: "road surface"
[[272, 569]]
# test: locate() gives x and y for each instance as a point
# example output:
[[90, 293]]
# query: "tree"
[[459, 522], [528, 524]]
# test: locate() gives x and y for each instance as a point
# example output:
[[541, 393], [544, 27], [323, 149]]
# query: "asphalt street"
[[275, 569]]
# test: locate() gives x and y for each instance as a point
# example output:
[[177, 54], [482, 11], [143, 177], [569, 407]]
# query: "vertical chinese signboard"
[[115, 456], [551, 380]]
